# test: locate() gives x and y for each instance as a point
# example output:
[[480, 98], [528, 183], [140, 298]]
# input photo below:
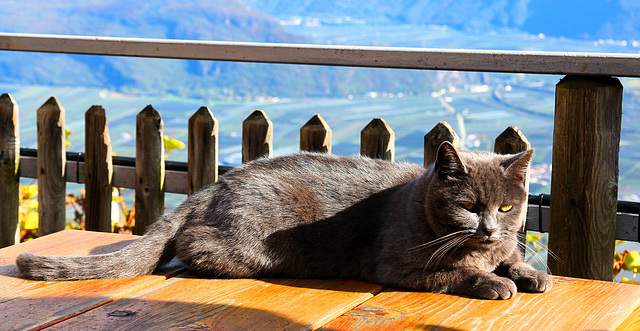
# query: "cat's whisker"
[[534, 254], [441, 239], [449, 246], [553, 255]]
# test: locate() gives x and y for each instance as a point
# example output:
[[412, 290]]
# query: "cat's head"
[[479, 193]]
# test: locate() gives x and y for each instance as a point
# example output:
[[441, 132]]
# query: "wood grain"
[[26, 304], [52, 160], [584, 180], [98, 171], [191, 302], [149, 194], [377, 140], [573, 304], [315, 135], [202, 168], [9, 164]]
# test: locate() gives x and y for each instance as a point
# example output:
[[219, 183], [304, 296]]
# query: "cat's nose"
[[488, 230]]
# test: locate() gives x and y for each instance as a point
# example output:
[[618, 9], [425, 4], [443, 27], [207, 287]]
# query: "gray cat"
[[451, 228]]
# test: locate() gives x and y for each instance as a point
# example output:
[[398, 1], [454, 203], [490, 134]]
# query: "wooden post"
[[202, 150], [149, 191], [315, 136], [99, 171], [584, 182], [52, 160], [377, 140], [9, 162], [513, 141], [257, 136], [440, 133]]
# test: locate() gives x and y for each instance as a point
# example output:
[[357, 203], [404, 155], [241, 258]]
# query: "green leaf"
[[632, 260]]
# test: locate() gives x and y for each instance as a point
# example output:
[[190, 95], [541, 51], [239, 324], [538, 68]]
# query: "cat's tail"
[[139, 258]]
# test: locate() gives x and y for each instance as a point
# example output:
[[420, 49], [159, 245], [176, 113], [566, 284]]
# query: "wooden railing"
[[586, 139]]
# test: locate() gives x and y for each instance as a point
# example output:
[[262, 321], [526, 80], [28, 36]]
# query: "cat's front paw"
[[494, 287], [533, 281]]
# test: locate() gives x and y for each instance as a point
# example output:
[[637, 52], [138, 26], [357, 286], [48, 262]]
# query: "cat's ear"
[[517, 165], [448, 163]]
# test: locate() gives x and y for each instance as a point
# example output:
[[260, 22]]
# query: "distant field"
[[486, 114]]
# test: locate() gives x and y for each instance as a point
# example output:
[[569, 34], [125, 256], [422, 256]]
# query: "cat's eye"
[[506, 208], [469, 206]]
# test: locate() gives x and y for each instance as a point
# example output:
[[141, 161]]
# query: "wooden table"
[[176, 300]]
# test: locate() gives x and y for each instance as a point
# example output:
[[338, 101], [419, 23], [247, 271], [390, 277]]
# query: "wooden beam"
[[584, 182], [565, 63]]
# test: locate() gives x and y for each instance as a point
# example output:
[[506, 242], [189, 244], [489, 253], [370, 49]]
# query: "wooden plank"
[[315, 136], [149, 190], [572, 304], [51, 167], [584, 181], [440, 133], [26, 304], [257, 136], [190, 302], [98, 170], [632, 322], [566, 63], [9, 164], [377, 140], [202, 150]]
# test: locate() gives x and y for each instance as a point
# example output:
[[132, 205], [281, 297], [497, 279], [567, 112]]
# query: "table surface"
[[173, 299]]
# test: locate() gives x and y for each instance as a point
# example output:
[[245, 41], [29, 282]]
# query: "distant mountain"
[[466, 14], [618, 19]]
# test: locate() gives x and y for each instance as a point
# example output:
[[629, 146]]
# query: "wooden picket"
[[202, 150], [149, 193], [512, 141], [440, 133], [315, 136], [257, 136], [98, 170], [9, 162], [377, 140], [51, 167]]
